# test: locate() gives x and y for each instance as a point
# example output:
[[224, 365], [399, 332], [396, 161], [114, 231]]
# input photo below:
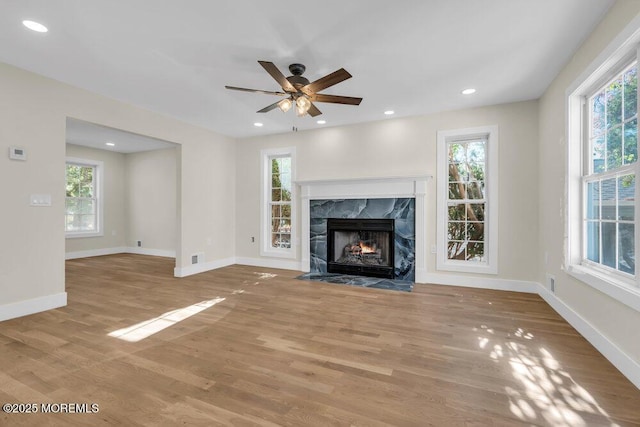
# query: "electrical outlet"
[[253, 239], [551, 283], [139, 243], [434, 249]]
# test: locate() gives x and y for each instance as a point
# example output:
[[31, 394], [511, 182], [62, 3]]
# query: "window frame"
[[444, 138], [588, 175], [98, 189], [265, 202], [619, 285]]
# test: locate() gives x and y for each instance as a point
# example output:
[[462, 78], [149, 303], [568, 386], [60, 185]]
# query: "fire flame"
[[367, 249]]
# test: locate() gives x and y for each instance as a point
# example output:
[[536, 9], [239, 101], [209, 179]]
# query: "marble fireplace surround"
[[367, 188]]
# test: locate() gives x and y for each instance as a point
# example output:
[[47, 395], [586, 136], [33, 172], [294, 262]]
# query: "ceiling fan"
[[299, 92]]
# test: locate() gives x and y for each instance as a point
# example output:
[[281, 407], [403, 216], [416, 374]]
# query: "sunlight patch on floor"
[[147, 328], [265, 276], [544, 392]]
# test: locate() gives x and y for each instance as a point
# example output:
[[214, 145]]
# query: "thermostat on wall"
[[17, 153]]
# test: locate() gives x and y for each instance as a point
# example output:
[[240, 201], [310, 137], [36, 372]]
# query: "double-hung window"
[[467, 200], [609, 175], [278, 218], [83, 203], [602, 135]]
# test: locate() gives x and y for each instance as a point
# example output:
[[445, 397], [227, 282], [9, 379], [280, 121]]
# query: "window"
[[602, 136], [278, 208], [609, 176], [82, 203], [467, 191]]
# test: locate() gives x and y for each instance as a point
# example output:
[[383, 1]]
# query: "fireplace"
[[362, 247]]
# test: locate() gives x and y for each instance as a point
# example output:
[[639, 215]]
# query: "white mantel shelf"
[[364, 180], [363, 188], [368, 188]]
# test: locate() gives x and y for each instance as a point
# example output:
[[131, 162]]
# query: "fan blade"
[[335, 99], [268, 108], [278, 76], [266, 92], [326, 81], [313, 111]]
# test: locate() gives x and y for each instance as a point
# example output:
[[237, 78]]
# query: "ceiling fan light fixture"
[[298, 90], [285, 105], [302, 105]]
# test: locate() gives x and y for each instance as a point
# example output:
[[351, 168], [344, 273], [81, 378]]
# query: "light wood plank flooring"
[[248, 346]]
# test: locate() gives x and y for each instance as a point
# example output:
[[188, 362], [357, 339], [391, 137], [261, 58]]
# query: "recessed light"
[[321, 122], [258, 124], [468, 91], [35, 26], [389, 112], [110, 144]]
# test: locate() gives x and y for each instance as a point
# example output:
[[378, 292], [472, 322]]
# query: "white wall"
[[32, 249], [151, 199], [33, 112], [139, 202], [404, 147], [614, 320], [115, 215]]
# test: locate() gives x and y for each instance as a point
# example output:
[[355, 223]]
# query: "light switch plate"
[[40, 200]]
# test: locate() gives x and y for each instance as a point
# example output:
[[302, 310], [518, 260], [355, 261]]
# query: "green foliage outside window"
[[281, 202], [466, 200], [79, 181], [614, 123], [80, 198]]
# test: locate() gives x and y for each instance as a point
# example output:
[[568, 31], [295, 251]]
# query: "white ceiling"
[[411, 56], [96, 136]]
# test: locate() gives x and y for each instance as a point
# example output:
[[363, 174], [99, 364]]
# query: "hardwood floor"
[[250, 346]]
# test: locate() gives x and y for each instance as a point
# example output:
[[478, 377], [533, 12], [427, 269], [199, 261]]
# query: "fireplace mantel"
[[368, 188]]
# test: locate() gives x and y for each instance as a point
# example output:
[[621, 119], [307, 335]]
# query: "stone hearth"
[[402, 211]]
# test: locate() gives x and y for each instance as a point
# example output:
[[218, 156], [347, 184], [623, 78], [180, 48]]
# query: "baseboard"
[[270, 263], [149, 251], [629, 367], [94, 252], [201, 268], [421, 275], [31, 306], [120, 250], [478, 282]]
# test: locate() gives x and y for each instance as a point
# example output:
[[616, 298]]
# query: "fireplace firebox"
[[361, 247]]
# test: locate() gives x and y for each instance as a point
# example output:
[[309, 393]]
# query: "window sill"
[[287, 253], [81, 235], [467, 268], [616, 289]]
